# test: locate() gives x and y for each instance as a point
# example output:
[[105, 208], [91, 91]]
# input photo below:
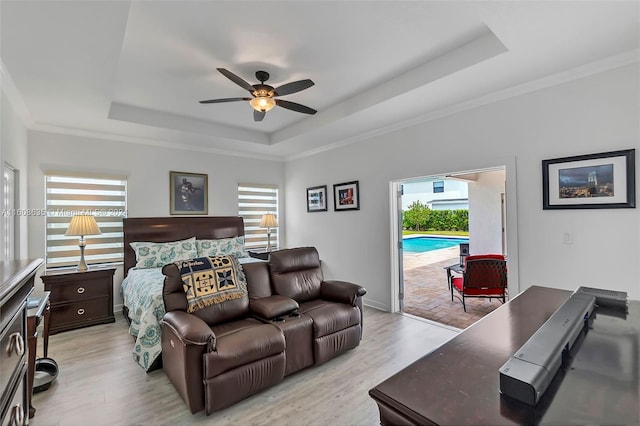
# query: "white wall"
[[485, 214], [147, 169], [13, 150], [592, 114]]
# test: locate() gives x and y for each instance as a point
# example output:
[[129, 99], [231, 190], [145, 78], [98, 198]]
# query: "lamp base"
[[82, 266]]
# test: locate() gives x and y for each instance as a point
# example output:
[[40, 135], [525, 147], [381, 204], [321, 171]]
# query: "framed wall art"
[[595, 181], [346, 196], [317, 199], [188, 193]]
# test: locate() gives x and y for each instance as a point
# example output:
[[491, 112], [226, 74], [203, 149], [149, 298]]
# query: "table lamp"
[[82, 225], [269, 221]]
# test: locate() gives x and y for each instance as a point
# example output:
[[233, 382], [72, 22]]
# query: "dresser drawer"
[[65, 291], [67, 316], [13, 348], [15, 412]]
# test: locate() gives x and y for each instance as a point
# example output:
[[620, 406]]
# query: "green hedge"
[[419, 217]]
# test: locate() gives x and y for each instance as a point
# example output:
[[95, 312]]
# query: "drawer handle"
[[16, 344], [16, 416], [81, 311], [80, 290]]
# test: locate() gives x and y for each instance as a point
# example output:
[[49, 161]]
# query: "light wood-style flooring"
[[100, 384]]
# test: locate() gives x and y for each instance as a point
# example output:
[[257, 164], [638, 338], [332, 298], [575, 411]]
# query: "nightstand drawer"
[[67, 316], [80, 290]]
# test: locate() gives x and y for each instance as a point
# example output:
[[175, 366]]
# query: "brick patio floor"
[[428, 296]]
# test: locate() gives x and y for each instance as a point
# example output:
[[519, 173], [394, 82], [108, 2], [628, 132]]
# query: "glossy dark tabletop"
[[458, 383]]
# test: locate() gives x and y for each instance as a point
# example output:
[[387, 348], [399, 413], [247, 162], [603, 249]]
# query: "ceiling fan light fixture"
[[262, 103]]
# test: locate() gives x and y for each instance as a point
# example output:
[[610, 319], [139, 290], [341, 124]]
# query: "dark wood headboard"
[[163, 229]]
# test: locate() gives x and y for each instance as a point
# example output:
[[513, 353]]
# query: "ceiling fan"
[[264, 95]]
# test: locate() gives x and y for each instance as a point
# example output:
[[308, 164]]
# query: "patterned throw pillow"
[[221, 247], [210, 280], [156, 255]]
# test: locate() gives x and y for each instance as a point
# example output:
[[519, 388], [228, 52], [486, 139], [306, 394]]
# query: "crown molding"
[[617, 61], [597, 67], [161, 143]]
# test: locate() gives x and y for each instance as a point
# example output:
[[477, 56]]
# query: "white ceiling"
[[135, 70]]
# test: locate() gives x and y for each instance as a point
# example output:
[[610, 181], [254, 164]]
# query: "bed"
[[141, 288]]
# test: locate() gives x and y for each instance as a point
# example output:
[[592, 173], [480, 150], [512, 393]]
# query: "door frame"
[[511, 208]]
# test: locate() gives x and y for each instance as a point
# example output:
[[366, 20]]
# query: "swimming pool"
[[423, 244]]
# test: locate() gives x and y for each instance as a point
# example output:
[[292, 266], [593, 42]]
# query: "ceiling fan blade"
[[217, 101], [293, 87], [237, 80], [295, 107], [258, 115]]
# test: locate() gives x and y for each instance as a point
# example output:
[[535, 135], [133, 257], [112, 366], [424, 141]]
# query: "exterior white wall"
[[13, 150], [423, 192], [485, 234], [147, 170], [593, 114]]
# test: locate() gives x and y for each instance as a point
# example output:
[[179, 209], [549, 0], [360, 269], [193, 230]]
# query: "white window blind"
[[104, 197], [254, 200]]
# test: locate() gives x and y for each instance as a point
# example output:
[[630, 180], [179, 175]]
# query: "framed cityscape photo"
[[346, 196], [188, 193], [317, 199], [594, 181]]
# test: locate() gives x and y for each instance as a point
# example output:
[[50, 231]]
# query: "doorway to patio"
[[423, 288]]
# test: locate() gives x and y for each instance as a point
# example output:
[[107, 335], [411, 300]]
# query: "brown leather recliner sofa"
[[291, 319]]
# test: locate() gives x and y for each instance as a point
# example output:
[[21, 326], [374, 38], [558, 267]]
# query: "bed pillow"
[[222, 247], [156, 255]]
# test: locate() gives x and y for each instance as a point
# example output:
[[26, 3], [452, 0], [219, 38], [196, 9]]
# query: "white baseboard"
[[375, 304]]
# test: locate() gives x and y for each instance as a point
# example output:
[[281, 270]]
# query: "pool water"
[[424, 244]]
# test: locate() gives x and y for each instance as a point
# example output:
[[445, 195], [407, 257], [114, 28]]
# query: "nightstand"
[[263, 255], [79, 299]]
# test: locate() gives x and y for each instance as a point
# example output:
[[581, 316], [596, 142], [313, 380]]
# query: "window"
[[254, 200], [438, 186], [104, 197]]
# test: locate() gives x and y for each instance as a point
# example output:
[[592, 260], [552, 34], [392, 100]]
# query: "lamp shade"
[[83, 225], [268, 221]]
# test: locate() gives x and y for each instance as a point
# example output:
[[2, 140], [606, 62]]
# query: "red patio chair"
[[484, 275]]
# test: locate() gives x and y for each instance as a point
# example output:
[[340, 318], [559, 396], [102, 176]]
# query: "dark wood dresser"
[[16, 283], [458, 383], [79, 299]]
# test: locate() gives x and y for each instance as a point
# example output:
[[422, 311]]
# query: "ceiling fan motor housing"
[[263, 91]]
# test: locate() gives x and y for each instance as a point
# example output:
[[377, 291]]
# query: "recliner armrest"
[[341, 291], [190, 329], [272, 306]]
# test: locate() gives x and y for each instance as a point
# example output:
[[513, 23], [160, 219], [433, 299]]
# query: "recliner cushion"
[[296, 273], [240, 343], [330, 317]]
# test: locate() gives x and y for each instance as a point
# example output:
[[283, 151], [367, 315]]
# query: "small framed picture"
[[593, 181], [346, 196], [188, 193], [317, 199]]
